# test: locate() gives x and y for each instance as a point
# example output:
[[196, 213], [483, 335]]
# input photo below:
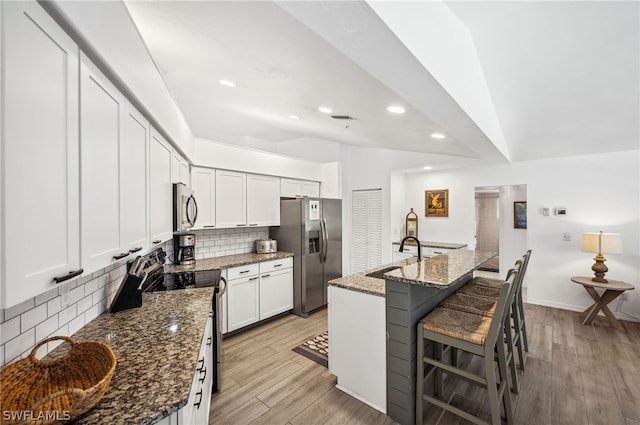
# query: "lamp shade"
[[605, 243]]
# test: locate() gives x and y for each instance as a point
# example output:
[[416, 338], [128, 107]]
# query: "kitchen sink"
[[379, 274]]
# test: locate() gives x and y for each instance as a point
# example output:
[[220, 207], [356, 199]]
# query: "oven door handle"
[[224, 289]]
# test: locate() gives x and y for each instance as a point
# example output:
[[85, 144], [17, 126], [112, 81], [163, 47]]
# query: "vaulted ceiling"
[[501, 80]]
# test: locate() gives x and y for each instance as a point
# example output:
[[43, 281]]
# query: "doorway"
[[487, 202]]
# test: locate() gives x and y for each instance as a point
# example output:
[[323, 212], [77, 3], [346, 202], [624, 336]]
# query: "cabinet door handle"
[[68, 276], [157, 241], [266, 275], [253, 224], [241, 225], [197, 403], [209, 341], [209, 226], [277, 265], [244, 271], [203, 377], [136, 249], [253, 278], [437, 252], [121, 255], [199, 369]]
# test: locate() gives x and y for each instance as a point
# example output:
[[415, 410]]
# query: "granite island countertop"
[[227, 261], [360, 282], [156, 347], [441, 270], [438, 271]]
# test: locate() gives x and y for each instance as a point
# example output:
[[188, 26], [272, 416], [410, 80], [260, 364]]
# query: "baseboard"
[[577, 308], [354, 395]]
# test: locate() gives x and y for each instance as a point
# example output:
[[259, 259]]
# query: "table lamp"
[[608, 243]]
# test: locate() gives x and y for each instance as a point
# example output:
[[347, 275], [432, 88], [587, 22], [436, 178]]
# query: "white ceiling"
[[563, 77]]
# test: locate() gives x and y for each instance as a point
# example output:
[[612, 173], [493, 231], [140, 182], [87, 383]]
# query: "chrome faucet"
[[417, 243]]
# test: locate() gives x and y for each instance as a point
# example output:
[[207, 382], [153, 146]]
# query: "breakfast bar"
[[401, 294]]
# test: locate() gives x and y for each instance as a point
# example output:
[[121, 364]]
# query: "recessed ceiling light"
[[427, 167], [439, 136], [227, 83], [396, 109], [325, 110], [294, 117]]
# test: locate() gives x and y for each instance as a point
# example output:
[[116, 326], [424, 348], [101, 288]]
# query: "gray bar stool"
[[473, 333], [476, 300]]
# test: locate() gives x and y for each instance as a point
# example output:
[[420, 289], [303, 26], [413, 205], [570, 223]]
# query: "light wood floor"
[[574, 375]]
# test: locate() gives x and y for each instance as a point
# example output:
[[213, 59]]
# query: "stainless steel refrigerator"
[[311, 228]]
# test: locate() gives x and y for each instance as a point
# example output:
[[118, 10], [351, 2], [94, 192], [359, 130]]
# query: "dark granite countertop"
[[442, 270], [430, 244], [156, 347], [228, 261]]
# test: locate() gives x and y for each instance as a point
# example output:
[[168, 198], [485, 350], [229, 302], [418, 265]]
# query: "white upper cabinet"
[[134, 166], [292, 188], [310, 189], [160, 189], [263, 200], [179, 169], [203, 183], [231, 199], [101, 112], [40, 159]]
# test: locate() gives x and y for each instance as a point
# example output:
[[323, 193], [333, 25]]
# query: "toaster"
[[266, 246]]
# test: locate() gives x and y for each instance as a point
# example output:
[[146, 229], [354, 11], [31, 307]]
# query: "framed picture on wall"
[[520, 215], [436, 203]]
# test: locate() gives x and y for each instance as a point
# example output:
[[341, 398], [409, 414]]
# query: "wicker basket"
[[54, 391]]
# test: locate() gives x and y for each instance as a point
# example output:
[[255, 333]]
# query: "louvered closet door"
[[366, 229]]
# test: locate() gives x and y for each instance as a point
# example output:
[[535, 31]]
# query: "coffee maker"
[[184, 248]]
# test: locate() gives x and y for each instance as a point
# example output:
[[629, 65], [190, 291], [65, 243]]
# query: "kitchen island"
[[379, 317]]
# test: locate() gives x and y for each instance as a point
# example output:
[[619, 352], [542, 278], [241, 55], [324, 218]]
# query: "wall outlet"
[[566, 236]]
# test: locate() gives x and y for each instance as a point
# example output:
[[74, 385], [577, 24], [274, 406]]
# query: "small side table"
[[612, 290]]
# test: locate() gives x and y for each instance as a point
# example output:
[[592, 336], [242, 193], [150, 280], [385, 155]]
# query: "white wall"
[[600, 192]]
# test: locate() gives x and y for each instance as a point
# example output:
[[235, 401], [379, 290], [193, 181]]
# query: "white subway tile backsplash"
[[76, 294], [50, 294], [46, 328], [76, 324], [85, 303], [68, 314], [31, 318], [54, 306], [18, 309], [91, 286], [20, 344], [10, 329], [93, 312]]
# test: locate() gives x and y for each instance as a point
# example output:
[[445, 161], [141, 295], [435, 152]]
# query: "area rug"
[[316, 349]]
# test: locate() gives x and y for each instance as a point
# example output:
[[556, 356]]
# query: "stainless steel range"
[[149, 270]]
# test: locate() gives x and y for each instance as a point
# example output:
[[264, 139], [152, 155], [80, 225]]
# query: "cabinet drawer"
[[274, 265], [242, 271]]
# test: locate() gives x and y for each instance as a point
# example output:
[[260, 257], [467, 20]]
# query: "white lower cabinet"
[[276, 291], [257, 291], [242, 296], [196, 411]]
